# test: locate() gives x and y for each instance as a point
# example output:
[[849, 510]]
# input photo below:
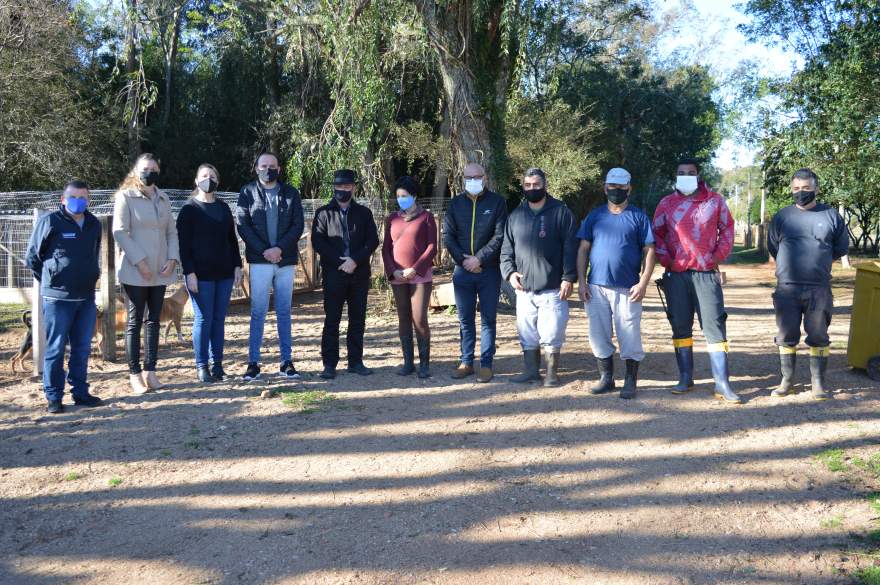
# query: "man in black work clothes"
[[804, 239], [344, 234]]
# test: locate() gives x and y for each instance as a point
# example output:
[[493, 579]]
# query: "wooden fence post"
[[38, 327], [108, 290]]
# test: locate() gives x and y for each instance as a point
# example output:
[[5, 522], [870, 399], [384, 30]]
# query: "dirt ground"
[[404, 481]]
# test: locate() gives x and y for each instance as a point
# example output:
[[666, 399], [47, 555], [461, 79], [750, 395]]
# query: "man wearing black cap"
[[344, 234]]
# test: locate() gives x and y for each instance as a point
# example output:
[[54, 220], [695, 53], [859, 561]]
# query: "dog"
[[27, 343]]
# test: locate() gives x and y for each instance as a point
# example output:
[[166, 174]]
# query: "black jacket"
[[208, 246], [328, 232], [64, 257], [475, 228], [250, 216], [542, 247]]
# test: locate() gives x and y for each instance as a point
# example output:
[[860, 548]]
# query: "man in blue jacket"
[[63, 255], [473, 229], [538, 258], [269, 216]]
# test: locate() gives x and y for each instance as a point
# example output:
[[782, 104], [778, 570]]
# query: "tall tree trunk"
[[274, 87], [441, 168], [170, 44], [132, 70], [475, 68]]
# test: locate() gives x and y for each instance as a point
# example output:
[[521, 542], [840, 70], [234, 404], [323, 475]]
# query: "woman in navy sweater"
[[211, 262]]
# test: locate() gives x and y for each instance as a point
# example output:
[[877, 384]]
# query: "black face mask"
[[534, 195], [149, 178], [617, 196], [804, 198], [342, 196], [207, 185], [268, 175]]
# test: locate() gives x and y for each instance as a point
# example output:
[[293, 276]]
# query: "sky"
[[722, 47]]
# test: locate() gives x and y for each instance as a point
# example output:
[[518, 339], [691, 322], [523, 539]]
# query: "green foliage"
[[833, 459], [868, 576], [307, 401]]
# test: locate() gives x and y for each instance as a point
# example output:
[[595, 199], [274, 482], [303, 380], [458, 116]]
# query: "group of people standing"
[[539, 248]]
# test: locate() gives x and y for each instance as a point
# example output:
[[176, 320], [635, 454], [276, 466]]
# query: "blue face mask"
[[406, 202], [75, 205]]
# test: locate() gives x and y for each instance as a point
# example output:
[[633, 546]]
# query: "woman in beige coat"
[[146, 261]]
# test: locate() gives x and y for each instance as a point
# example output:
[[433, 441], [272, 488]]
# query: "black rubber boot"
[[408, 367], [606, 376], [723, 391], [818, 365], [531, 364], [552, 377], [684, 356], [632, 375], [787, 364], [424, 358]]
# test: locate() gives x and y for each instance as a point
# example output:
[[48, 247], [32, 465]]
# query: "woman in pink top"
[[408, 251]]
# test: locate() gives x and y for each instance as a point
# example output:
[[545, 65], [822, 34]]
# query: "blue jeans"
[[470, 286], [209, 306], [74, 322], [264, 277]]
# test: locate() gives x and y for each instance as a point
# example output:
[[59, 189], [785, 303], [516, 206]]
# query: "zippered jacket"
[[64, 256], [475, 227]]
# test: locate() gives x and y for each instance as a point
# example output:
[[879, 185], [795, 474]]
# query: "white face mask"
[[473, 186], [687, 184]]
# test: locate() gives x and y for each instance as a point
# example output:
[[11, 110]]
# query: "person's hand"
[[168, 268], [408, 273], [584, 291], [192, 282], [471, 263], [273, 254], [637, 292], [565, 289], [348, 265], [515, 280], [144, 270], [239, 276], [398, 275]]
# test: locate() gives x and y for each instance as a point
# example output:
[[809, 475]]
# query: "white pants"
[[541, 318], [611, 310]]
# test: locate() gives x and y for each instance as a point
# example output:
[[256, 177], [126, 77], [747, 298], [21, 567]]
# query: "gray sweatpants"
[[541, 319], [691, 291], [610, 311]]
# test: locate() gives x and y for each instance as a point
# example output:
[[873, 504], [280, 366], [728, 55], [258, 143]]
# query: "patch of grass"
[[72, 476], [871, 465], [165, 453], [875, 502], [743, 255], [868, 576], [833, 459], [192, 444], [10, 316], [309, 401], [114, 481], [833, 522]]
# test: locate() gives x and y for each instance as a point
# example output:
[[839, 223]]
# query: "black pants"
[[342, 289], [141, 299], [794, 303], [691, 291]]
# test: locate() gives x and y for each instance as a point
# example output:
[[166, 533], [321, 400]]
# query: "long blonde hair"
[[132, 180], [199, 170]]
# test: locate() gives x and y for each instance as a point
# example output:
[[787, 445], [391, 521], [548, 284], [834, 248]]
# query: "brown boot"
[[462, 371], [484, 375], [137, 384], [152, 382]]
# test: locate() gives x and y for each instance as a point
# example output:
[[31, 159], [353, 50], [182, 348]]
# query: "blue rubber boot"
[[723, 391], [684, 356]]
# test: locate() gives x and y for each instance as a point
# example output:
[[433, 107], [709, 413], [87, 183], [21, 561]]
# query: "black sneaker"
[[252, 372], [289, 371], [359, 369], [328, 373], [218, 373], [87, 401], [55, 407]]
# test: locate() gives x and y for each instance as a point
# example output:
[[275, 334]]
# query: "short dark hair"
[[266, 153], [806, 174], [76, 184], [689, 160], [536, 172], [408, 184]]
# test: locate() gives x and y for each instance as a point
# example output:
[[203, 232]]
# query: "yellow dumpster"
[[863, 350]]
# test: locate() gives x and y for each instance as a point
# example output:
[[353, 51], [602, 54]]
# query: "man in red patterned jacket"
[[693, 232]]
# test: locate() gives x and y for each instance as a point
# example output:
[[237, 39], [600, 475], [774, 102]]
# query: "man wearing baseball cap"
[[345, 236], [613, 238]]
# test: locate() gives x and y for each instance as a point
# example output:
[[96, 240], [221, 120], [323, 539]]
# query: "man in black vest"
[[63, 255], [344, 234]]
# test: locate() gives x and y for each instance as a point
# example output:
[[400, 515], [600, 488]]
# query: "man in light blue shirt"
[[613, 238]]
